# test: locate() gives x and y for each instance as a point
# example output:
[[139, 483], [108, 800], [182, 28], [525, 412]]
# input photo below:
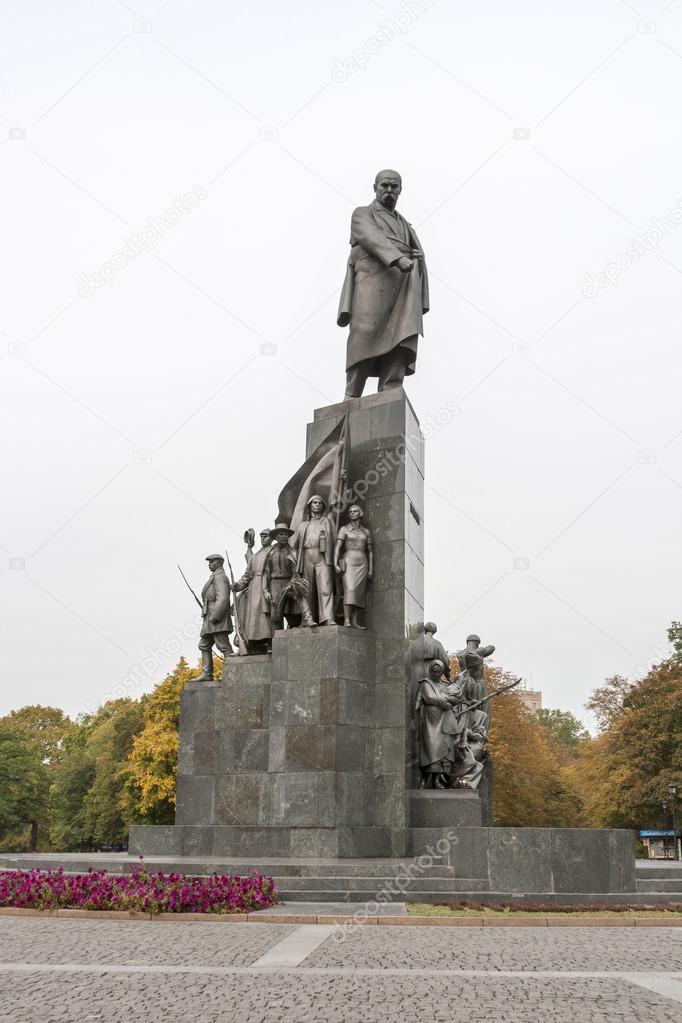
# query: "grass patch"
[[534, 909]]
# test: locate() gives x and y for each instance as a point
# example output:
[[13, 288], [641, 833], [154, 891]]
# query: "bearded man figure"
[[385, 293]]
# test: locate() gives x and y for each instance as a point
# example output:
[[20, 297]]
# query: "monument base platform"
[[547, 865], [535, 864], [256, 841]]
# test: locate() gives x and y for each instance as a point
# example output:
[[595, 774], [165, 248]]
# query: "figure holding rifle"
[[450, 729], [215, 610]]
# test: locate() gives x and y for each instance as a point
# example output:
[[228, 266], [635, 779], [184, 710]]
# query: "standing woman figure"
[[354, 560]]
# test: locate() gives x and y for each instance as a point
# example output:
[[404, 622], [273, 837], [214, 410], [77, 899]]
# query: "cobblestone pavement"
[[511, 948], [134, 941], [73, 971]]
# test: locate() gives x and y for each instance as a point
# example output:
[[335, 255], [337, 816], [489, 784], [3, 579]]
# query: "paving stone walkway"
[[72, 971]]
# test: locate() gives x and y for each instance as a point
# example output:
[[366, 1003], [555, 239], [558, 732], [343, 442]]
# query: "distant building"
[[531, 699]]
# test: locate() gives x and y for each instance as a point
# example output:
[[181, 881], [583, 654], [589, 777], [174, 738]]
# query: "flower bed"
[[139, 891]]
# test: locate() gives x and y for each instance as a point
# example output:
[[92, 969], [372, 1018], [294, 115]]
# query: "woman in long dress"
[[354, 561], [437, 726]]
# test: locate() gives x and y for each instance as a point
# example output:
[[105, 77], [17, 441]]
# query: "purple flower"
[[139, 890]]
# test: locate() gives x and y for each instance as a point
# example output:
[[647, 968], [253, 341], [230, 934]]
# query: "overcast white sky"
[[144, 423]]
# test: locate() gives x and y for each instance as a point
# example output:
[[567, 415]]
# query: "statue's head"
[[355, 513], [215, 561], [316, 505], [473, 661], [281, 533], [436, 670], [265, 538], [430, 627], [387, 187], [474, 640]]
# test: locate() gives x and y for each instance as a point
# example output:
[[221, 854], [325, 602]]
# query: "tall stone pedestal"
[[304, 753], [386, 477]]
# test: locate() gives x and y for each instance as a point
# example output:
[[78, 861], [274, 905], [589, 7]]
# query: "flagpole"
[[343, 474]]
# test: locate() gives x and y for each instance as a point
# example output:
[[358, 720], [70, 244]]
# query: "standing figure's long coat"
[[438, 728], [256, 623], [383, 306], [215, 599]]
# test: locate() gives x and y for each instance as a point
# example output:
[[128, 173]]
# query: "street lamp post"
[[672, 789]]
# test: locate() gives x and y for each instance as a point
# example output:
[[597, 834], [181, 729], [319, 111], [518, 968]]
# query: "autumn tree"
[[531, 787], [149, 796], [625, 771]]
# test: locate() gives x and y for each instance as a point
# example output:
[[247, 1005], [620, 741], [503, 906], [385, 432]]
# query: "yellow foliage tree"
[[532, 787], [624, 773], [149, 791]]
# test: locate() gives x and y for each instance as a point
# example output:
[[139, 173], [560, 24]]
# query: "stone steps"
[[393, 886], [660, 873], [281, 868], [435, 897]]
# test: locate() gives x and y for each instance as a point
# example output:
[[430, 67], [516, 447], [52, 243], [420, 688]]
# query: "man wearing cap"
[[217, 625], [255, 620], [478, 688], [278, 571], [385, 293]]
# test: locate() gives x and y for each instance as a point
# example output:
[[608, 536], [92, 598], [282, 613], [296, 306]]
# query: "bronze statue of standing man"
[[217, 620], [254, 611], [314, 545], [385, 293]]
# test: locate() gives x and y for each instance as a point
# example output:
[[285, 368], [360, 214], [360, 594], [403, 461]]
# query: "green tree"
[[675, 637], [44, 730], [22, 786], [87, 791], [46, 727], [72, 777], [565, 729]]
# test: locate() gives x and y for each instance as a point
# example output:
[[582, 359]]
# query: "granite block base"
[[260, 841], [438, 808], [558, 860]]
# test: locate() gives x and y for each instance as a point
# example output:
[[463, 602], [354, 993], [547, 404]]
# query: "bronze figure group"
[[304, 577], [451, 716]]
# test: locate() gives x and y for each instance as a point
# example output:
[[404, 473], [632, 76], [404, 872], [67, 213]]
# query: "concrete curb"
[[351, 921]]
